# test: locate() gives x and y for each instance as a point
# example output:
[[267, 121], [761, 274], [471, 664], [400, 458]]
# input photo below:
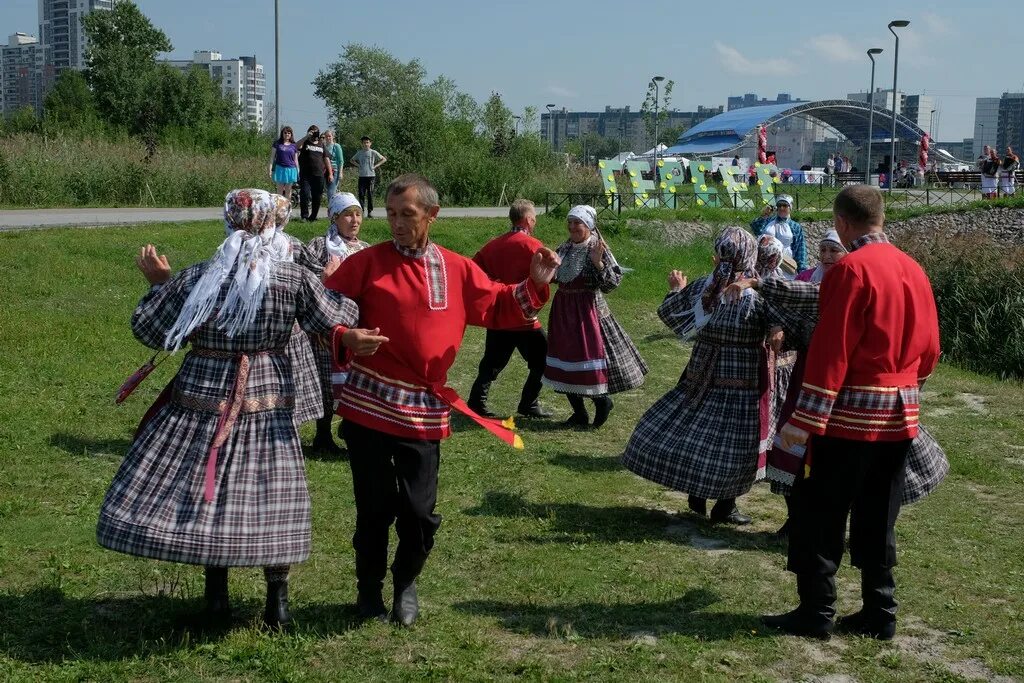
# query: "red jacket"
[[506, 259], [422, 304], [876, 341]]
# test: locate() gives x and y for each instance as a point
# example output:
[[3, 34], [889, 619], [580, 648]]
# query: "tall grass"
[[979, 290], [64, 171]]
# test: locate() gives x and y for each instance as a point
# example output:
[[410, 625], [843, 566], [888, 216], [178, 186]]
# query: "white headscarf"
[[254, 247], [831, 237], [335, 242], [585, 213]]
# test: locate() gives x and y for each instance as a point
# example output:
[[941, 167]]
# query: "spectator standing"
[[284, 162], [313, 169], [336, 157], [781, 226], [368, 160], [1007, 173]]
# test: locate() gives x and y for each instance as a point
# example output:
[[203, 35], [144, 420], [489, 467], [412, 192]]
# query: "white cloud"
[[936, 25], [561, 91], [735, 62], [835, 48]]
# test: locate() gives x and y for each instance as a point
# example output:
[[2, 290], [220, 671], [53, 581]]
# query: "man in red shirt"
[[416, 299], [876, 342], [506, 259]]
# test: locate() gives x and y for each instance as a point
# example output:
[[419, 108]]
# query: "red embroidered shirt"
[[877, 339], [506, 259], [422, 302]]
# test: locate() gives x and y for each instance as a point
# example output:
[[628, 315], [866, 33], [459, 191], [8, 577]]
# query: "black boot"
[[534, 409], [788, 524], [697, 505], [370, 587], [323, 442], [602, 408], [478, 399], [726, 512], [877, 618], [406, 608], [218, 605], [579, 417], [814, 617], [276, 614]]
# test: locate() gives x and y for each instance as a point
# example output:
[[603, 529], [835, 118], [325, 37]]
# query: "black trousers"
[[395, 481], [860, 479], [366, 185], [311, 190], [498, 347]]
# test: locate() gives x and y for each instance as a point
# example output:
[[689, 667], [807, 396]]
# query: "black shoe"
[[406, 607], [800, 622], [697, 505], [861, 624], [534, 410], [735, 517], [578, 421], [276, 615], [481, 410], [601, 411], [324, 443], [370, 604], [218, 604]]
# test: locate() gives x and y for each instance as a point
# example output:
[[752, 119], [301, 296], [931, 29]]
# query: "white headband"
[[339, 202], [584, 213]]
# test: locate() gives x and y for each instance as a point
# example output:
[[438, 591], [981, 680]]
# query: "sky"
[[585, 55]]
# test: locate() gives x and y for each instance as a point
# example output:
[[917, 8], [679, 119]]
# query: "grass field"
[[552, 563]]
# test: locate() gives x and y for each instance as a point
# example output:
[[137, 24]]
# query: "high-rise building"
[[751, 100], [61, 34], [1011, 122], [630, 128], [986, 123], [21, 63], [241, 80], [919, 108], [883, 100]]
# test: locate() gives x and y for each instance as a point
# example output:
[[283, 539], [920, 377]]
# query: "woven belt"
[[215, 353], [735, 383], [248, 405]]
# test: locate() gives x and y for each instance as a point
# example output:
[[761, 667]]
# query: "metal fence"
[[806, 198]]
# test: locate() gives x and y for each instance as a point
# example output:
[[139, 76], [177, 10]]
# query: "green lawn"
[[552, 563]]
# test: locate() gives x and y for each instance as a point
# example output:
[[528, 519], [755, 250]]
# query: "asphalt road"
[[28, 219]]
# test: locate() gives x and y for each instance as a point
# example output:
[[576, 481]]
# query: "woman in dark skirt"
[[216, 477], [589, 354]]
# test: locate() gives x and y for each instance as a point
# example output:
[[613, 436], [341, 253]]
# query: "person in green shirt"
[[333, 151]]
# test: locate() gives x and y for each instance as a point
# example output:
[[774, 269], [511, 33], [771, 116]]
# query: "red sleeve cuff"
[[539, 294], [340, 354]]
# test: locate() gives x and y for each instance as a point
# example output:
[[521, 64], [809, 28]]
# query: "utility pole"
[[277, 65]]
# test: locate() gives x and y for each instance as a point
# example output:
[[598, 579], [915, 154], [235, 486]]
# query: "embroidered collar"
[[870, 238], [412, 253]]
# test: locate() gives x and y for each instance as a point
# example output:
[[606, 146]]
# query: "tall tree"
[[70, 103], [364, 82], [650, 104], [497, 124], [121, 63]]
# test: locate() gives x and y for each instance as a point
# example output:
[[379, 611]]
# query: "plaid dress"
[[315, 258], [577, 346], [259, 510], [309, 404], [704, 437]]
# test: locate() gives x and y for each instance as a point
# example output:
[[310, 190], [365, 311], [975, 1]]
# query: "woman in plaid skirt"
[[708, 436], [216, 477], [341, 241], [589, 354]]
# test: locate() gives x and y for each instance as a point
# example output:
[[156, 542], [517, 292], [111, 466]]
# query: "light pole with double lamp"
[[898, 23], [656, 80], [871, 116], [551, 125]]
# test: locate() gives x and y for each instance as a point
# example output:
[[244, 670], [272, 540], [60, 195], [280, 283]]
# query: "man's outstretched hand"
[[544, 266], [363, 342]]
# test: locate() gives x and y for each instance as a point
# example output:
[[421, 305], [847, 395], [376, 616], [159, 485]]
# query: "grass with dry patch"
[[552, 563]]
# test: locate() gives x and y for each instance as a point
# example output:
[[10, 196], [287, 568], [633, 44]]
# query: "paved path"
[[21, 219]]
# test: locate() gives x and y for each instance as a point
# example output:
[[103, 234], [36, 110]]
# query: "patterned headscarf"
[[282, 210], [769, 255], [336, 244], [737, 256], [253, 249]]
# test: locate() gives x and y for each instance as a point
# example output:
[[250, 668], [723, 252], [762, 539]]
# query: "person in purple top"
[[284, 162]]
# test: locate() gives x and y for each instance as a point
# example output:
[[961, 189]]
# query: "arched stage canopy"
[[727, 132]]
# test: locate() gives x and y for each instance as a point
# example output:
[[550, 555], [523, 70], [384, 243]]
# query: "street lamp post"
[[871, 116], [551, 125], [657, 171], [931, 125], [981, 139], [898, 23], [517, 119], [277, 65]]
